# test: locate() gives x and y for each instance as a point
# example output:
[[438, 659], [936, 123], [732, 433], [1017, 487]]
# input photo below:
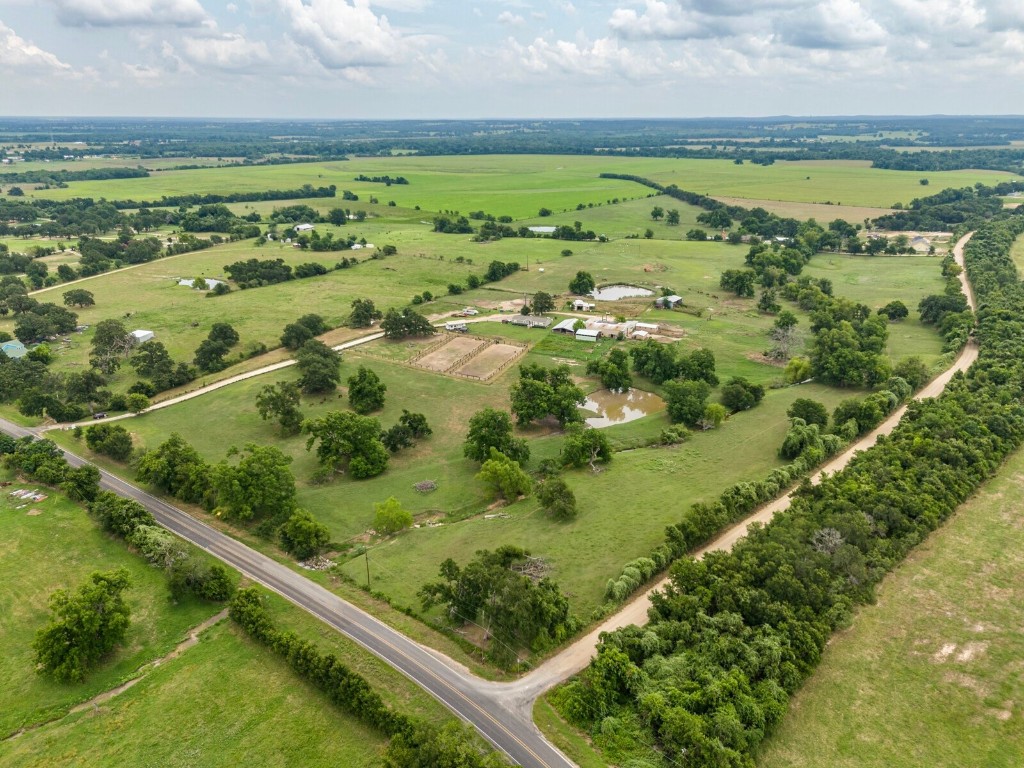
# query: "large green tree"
[[320, 367], [366, 391], [347, 440], [364, 313], [491, 428], [87, 625], [281, 401], [259, 485], [303, 536], [582, 284]]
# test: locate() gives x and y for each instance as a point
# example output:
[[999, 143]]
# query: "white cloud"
[[667, 21], [831, 25], [19, 55], [121, 13], [510, 19], [342, 35], [229, 52], [588, 58]]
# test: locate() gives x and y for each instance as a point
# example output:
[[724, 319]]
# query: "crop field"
[[53, 544], [927, 675], [519, 185]]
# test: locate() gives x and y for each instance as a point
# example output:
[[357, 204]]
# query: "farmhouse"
[[141, 336], [14, 349], [668, 302], [528, 321], [567, 326], [579, 305], [588, 334]]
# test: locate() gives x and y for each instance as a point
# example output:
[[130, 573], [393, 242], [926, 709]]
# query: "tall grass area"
[[930, 674], [58, 548]]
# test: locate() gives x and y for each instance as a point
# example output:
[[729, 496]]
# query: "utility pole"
[[366, 555]]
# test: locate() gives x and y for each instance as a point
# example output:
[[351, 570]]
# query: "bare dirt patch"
[[33, 512], [491, 360], [443, 358]]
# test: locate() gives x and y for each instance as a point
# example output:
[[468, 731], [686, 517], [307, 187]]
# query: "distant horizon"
[[577, 118]]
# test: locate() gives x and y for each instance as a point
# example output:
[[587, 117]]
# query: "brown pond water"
[[616, 292], [620, 407]]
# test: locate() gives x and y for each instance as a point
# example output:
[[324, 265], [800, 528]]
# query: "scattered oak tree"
[[303, 536], [281, 401], [505, 476], [366, 391], [390, 517], [348, 440], [489, 429], [87, 625], [320, 367]]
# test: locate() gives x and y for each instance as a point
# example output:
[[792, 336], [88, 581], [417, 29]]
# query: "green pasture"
[[228, 701], [1017, 254], [59, 548], [820, 212], [519, 185], [612, 527], [224, 702], [930, 674]]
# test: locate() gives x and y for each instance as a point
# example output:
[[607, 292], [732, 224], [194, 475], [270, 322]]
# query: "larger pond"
[[620, 407], [616, 292]]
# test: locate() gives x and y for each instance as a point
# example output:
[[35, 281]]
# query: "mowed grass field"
[[1017, 253], [931, 674], [586, 553], [225, 701], [58, 548], [519, 185]]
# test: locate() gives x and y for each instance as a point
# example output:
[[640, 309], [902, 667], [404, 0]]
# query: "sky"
[[379, 59]]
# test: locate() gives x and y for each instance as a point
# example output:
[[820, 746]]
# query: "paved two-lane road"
[[476, 701]]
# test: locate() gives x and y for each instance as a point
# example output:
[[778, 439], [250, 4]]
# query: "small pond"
[[620, 407], [616, 292]]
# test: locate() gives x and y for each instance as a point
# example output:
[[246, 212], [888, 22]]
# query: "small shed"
[[668, 302], [14, 349], [141, 336], [588, 334], [580, 305], [567, 326]]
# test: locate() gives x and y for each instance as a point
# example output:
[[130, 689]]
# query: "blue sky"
[[567, 58]]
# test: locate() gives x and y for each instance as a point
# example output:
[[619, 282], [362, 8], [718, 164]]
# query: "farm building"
[[14, 349], [141, 336], [457, 327], [579, 305], [567, 326], [588, 334], [528, 321], [668, 302], [303, 227]]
